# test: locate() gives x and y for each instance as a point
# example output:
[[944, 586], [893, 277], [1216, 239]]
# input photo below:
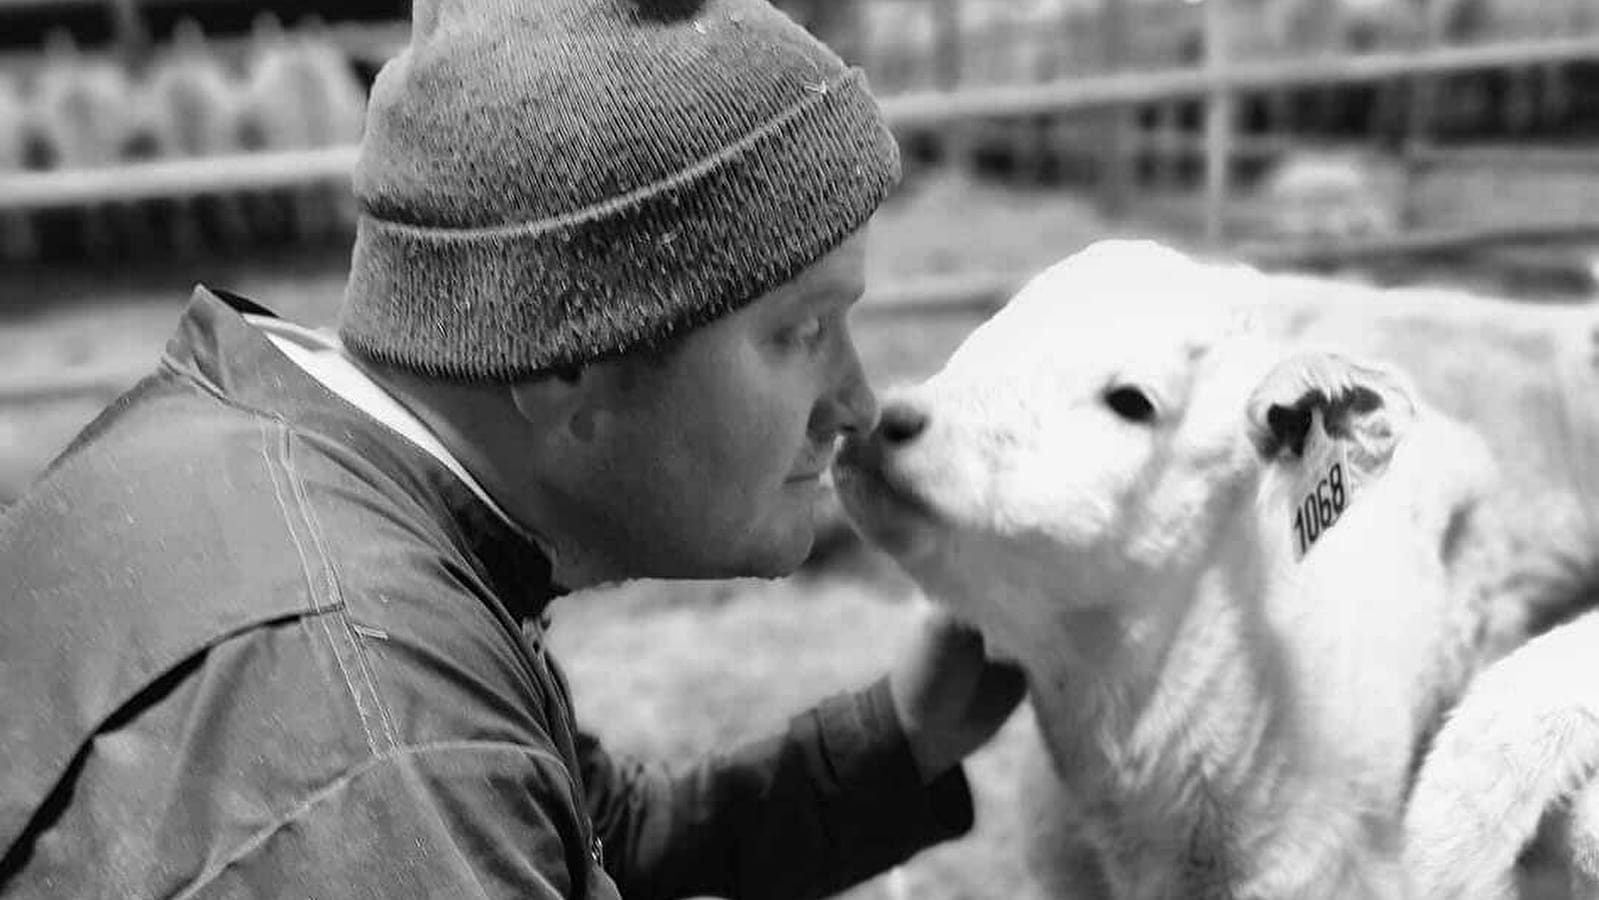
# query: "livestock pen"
[[1031, 129], [1153, 97]]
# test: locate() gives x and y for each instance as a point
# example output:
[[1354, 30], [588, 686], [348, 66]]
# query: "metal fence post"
[[1118, 147], [1221, 102]]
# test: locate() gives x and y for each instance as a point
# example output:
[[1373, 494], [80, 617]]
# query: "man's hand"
[[949, 696]]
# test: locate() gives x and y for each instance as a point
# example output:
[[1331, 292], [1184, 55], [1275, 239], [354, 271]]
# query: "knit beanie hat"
[[546, 183]]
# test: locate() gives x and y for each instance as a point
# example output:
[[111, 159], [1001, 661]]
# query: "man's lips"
[[814, 468]]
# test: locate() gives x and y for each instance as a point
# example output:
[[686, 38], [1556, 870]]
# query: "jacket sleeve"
[[833, 801]]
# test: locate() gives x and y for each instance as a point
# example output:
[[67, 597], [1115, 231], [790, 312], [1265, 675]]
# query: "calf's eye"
[[1130, 403]]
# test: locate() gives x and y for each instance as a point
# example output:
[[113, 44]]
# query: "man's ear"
[[561, 400]]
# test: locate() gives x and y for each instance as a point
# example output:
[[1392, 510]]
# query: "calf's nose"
[[901, 423]]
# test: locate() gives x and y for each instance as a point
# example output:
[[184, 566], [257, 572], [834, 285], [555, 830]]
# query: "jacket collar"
[[216, 345]]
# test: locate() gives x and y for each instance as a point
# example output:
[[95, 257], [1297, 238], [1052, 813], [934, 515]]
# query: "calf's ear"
[[1368, 405]]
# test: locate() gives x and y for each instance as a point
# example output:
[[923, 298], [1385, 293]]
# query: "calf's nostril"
[[901, 423]]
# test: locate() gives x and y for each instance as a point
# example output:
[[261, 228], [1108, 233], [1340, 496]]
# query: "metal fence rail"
[[175, 178], [1190, 83]]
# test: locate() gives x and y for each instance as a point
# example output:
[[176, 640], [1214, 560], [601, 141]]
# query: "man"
[[273, 620]]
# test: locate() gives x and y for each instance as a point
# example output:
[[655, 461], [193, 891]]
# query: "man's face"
[[708, 464]]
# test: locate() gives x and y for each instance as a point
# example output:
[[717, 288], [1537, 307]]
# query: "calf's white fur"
[[1524, 743], [1523, 740], [1094, 481]]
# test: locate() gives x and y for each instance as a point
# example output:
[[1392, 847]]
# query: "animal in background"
[[1334, 26], [17, 239], [301, 94], [1332, 194], [1530, 97], [191, 103], [83, 115], [1297, 29]]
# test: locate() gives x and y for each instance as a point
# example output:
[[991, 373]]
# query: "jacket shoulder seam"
[[321, 584], [367, 695]]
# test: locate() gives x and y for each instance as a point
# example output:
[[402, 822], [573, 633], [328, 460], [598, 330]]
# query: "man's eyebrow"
[[842, 292]]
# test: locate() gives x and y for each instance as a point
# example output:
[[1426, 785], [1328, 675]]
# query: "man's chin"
[[779, 554]]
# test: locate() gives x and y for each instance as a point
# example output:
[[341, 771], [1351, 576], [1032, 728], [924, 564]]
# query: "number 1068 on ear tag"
[[1324, 491]]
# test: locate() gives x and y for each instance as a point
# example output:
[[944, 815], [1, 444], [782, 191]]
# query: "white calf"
[[1524, 377], [1114, 478]]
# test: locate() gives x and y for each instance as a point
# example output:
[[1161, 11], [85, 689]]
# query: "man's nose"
[[860, 405], [851, 407]]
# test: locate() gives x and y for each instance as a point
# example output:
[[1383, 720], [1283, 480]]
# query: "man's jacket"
[[255, 643]]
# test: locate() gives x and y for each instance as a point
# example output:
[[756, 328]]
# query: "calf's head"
[[1098, 446]]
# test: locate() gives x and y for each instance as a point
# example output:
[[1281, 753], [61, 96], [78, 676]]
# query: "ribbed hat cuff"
[[503, 303]]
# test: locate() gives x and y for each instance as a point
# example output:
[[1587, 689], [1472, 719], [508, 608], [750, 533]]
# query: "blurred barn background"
[[183, 128], [146, 145]]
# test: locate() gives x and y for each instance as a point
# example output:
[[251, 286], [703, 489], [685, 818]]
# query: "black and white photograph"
[[799, 449]]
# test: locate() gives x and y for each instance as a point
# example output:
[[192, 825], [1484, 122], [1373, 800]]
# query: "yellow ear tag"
[[1324, 490]]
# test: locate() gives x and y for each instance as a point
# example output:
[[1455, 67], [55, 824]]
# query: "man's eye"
[[806, 333]]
